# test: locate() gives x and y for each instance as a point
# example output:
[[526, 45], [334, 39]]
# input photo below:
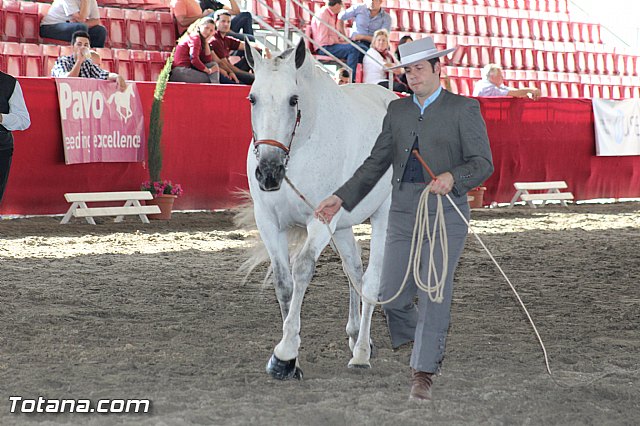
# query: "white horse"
[[123, 102], [317, 133]]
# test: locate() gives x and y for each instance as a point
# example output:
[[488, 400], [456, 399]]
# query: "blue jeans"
[[64, 31], [346, 51], [243, 22]]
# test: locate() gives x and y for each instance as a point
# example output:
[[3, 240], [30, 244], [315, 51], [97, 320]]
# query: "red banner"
[[100, 124]]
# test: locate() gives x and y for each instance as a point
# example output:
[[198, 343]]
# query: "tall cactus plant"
[[154, 148]]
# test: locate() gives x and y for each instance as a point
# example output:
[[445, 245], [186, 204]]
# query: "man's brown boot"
[[420, 385]]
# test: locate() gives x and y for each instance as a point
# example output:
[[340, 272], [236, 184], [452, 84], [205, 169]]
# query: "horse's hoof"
[[283, 370], [360, 366]]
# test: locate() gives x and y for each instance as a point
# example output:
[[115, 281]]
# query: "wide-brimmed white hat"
[[418, 50]]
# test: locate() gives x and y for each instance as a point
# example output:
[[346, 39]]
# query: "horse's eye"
[[252, 99], [294, 100]]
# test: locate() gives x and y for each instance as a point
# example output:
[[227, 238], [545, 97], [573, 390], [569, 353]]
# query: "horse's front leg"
[[276, 243], [303, 268]]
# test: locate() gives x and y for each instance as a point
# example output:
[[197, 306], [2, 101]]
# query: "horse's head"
[[275, 112]]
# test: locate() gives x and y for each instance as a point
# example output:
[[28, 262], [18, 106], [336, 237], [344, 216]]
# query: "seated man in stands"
[[241, 21], [65, 17], [492, 84], [222, 44], [79, 64], [369, 17], [329, 40]]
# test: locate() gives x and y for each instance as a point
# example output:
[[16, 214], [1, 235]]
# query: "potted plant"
[[164, 194], [164, 191], [478, 196]]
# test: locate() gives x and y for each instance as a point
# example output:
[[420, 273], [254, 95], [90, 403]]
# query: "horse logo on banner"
[[123, 102]]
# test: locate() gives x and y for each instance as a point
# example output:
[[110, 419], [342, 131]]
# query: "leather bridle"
[[275, 143]]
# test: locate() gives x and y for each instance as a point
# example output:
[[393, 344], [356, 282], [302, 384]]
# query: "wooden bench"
[[552, 188], [131, 206]]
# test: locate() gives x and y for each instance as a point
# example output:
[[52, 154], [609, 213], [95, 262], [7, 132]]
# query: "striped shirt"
[[88, 69]]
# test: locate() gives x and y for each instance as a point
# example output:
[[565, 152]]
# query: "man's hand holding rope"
[[442, 184], [328, 208]]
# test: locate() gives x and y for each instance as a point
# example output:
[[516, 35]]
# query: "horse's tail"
[[113, 95], [257, 254]]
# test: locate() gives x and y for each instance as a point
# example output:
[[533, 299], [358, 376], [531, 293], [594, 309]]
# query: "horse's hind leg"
[[371, 285], [352, 266]]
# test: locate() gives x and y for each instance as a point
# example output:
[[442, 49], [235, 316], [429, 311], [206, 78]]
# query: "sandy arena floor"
[[156, 311]]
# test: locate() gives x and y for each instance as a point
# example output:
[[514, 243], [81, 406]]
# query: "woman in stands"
[[378, 54], [193, 61]]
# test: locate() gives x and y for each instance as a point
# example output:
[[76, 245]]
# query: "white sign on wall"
[[617, 127]]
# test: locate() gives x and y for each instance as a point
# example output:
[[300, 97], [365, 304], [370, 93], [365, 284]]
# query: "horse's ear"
[[252, 55], [301, 52]]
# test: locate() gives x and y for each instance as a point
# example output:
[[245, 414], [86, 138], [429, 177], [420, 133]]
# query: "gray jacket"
[[452, 137]]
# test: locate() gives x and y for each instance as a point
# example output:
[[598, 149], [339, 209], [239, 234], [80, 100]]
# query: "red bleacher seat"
[[32, 59], [156, 63], [124, 66], [151, 30], [13, 62], [167, 30], [139, 65], [50, 53], [116, 26], [134, 28], [30, 24], [106, 57], [66, 50], [11, 29]]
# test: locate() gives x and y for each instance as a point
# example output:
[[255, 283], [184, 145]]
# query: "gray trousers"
[[426, 324], [192, 75]]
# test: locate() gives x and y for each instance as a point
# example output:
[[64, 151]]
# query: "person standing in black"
[[13, 116]]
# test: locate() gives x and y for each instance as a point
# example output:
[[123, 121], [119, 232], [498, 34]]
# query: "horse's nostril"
[[258, 173]]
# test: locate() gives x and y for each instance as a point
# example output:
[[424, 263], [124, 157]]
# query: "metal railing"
[[289, 30]]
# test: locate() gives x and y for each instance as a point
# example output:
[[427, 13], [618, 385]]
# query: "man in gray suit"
[[451, 136]]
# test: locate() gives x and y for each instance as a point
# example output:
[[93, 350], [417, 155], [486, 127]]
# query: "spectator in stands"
[[65, 17], [13, 116], [241, 21], [79, 63], [372, 65], [369, 17], [492, 84], [332, 42], [342, 76], [404, 39], [193, 61], [186, 12], [222, 44]]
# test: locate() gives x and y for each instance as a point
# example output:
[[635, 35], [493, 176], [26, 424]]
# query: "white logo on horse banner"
[[617, 127], [100, 124]]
